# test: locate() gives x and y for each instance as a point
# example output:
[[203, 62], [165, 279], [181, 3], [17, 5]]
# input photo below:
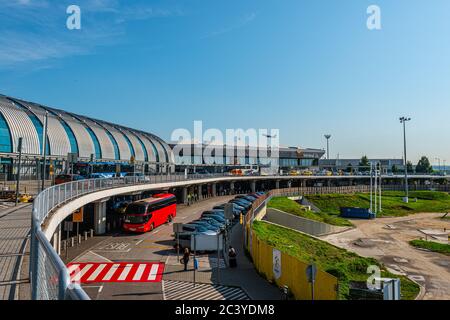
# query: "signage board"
[[276, 263], [68, 226], [311, 272], [78, 215], [177, 227], [228, 211]]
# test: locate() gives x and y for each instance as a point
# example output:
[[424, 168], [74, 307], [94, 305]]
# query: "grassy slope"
[[341, 263], [290, 206], [427, 201], [432, 246]]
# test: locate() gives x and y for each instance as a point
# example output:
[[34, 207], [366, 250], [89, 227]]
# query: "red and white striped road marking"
[[116, 272]]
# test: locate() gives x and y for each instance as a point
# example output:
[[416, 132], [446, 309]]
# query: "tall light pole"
[[445, 168], [328, 136], [439, 163], [44, 151], [403, 121]]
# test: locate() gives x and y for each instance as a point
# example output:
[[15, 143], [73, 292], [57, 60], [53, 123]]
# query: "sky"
[[305, 67]]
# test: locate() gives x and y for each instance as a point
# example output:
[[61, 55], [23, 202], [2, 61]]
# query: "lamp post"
[[328, 136], [439, 163], [445, 168], [44, 151], [403, 121]]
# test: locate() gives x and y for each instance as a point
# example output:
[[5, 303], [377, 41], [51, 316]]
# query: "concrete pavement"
[[14, 253], [386, 239], [157, 246]]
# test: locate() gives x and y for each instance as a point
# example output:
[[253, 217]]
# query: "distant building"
[[191, 155], [344, 164]]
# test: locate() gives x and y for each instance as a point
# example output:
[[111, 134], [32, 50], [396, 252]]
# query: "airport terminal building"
[[68, 133], [92, 142]]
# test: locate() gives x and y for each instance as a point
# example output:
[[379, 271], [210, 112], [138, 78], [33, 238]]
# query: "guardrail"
[[49, 277]]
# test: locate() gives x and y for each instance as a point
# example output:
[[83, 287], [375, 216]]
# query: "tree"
[[409, 167], [424, 166], [394, 169], [364, 164], [349, 168]]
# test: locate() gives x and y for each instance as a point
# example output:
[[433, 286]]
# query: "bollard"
[[79, 239], [72, 241], [92, 233], [85, 236]]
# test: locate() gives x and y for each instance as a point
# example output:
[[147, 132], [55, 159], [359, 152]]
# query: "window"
[[5, 136]]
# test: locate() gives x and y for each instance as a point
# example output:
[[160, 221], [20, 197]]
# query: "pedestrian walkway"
[[116, 272], [208, 276], [14, 252], [179, 290]]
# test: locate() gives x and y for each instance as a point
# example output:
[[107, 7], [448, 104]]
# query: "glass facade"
[[98, 150], [5, 136]]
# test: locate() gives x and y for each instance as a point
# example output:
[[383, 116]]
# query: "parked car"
[[205, 224], [214, 222], [242, 202], [236, 212], [219, 218]]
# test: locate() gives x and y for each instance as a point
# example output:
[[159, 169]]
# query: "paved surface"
[[178, 290], [14, 252], [386, 239], [157, 246]]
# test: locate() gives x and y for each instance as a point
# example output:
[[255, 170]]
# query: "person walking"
[[185, 259], [189, 199], [232, 257]]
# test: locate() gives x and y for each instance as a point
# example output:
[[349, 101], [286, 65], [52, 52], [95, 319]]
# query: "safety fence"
[[286, 270], [49, 277]]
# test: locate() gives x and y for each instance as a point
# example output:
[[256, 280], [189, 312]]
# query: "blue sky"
[[305, 67]]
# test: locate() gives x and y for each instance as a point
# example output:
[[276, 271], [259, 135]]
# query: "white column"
[[253, 186], [277, 184], [214, 189], [100, 217]]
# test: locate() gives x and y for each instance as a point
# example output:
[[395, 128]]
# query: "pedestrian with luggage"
[[185, 259], [232, 257]]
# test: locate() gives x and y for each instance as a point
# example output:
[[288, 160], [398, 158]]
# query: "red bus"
[[147, 214]]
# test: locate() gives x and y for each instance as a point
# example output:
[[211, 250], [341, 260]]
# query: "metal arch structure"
[[20, 126], [22, 116]]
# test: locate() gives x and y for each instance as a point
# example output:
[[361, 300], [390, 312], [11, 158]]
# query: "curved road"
[[386, 239]]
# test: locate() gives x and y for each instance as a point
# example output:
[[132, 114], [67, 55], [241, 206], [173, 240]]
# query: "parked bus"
[[147, 214]]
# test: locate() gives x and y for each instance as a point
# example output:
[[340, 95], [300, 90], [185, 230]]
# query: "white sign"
[[276, 263]]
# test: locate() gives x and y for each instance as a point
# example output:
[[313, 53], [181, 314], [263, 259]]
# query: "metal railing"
[[49, 277], [48, 274]]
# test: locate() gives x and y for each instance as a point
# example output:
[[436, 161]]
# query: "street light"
[[439, 162], [403, 121], [328, 136]]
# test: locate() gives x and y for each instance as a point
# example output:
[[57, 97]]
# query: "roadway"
[[156, 247], [387, 240]]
